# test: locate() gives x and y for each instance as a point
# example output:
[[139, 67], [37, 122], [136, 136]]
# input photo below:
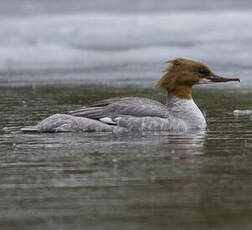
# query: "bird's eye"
[[203, 71]]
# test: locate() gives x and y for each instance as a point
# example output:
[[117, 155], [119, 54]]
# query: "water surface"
[[198, 180]]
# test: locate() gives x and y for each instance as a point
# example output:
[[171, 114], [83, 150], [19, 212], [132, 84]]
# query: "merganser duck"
[[143, 114]]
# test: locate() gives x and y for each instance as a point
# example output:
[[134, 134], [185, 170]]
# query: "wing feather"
[[115, 107]]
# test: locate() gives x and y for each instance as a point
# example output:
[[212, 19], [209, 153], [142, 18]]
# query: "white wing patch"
[[107, 120]]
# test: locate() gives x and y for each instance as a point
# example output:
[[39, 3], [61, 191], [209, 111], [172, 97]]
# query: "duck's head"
[[182, 74]]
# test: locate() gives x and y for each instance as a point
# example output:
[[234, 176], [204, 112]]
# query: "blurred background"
[[56, 56], [85, 41]]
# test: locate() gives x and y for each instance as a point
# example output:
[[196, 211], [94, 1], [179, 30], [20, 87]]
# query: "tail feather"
[[12, 129], [27, 129]]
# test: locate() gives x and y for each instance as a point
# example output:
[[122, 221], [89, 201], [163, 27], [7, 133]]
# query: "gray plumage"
[[126, 114], [68, 123], [116, 107]]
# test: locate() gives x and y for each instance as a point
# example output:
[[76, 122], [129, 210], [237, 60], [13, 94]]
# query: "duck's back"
[[127, 113], [116, 107]]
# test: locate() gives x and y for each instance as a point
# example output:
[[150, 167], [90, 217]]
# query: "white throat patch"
[[205, 81]]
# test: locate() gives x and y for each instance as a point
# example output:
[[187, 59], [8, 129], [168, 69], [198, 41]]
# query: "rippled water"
[[196, 180]]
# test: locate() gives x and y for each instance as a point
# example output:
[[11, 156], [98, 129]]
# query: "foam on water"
[[110, 41], [242, 112]]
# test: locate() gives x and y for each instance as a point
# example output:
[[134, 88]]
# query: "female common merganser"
[[143, 114]]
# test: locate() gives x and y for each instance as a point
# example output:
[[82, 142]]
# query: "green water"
[[144, 181]]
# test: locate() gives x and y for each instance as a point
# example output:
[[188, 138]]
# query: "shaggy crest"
[[168, 79], [181, 70]]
